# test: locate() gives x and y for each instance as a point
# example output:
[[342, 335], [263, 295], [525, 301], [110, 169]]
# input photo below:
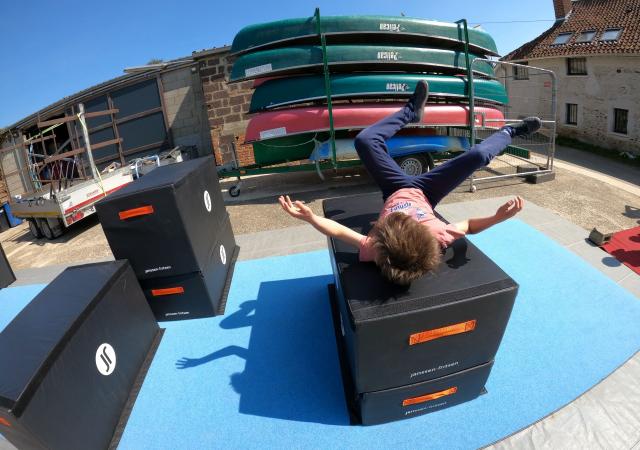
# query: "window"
[[620, 118], [521, 73], [611, 34], [562, 38], [586, 36], [576, 66], [572, 114]]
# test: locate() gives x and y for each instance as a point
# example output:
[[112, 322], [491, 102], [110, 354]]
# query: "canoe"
[[352, 58], [290, 91], [361, 29], [292, 121], [397, 145], [299, 146], [287, 148]]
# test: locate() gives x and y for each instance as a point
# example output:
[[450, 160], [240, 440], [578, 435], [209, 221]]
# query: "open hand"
[[296, 209], [511, 208]]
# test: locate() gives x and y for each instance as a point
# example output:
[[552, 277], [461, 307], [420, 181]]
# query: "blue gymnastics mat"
[[267, 374]]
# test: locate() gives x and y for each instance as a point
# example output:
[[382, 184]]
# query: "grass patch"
[[611, 154]]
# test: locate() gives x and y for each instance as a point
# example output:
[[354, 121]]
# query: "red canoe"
[[287, 122]]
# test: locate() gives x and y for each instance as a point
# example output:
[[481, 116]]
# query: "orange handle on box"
[[429, 397], [430, 335], [4, 422], [167, 291], [135, 212]]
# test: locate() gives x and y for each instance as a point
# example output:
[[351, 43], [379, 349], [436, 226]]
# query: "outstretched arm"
[[325, 226], [478, 224]]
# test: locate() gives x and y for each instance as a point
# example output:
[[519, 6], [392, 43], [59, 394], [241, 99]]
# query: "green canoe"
[[287, 149], [290, 91], [361, 29], [303, 59]]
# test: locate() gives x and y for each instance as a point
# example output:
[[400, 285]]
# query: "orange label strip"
[[430, 335], [135, 212], [167, 291], [4, 422], [429, 397]]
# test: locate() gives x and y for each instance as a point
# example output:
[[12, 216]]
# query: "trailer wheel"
[[234, 191], [46, 229], [414, 165], [34, 229]]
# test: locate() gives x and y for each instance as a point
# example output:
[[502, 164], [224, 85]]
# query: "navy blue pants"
[[437, 183]]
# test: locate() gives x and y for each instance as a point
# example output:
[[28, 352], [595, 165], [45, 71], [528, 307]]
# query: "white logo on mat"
[[105, 359], [223, 255], [207, 201]]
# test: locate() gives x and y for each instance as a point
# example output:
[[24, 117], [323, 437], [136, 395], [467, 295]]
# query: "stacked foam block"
[[412, 351], [71, 357], [6, 272], [173, 227]]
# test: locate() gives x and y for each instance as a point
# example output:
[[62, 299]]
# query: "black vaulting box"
[[166, 222], [446, 322], [71, 356], [6, 273], [196, 294], [403, 402]]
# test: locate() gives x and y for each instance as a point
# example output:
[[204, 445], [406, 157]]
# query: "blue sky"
[[54, 49]]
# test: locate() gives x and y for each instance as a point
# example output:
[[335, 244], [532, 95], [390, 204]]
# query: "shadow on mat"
[[292, 370]]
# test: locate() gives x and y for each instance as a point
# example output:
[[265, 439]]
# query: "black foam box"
[[70, 358], [387, 405], [447, 321], [196, 294], [166, 222], [6, 273]]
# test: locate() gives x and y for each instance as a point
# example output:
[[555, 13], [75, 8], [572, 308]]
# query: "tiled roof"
[[588, 15]]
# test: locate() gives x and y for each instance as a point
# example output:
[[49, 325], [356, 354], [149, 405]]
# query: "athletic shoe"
[[418, 100], [528, 126]]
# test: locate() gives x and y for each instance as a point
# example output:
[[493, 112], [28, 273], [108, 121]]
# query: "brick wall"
[[226, 105]]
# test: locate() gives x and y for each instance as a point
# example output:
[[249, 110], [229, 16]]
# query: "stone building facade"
[[594, 51]]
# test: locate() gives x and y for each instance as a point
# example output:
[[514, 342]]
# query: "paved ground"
[[564, 209], [584, 193]]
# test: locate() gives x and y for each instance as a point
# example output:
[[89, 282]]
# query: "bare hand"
[[296, 209], [511, 208]]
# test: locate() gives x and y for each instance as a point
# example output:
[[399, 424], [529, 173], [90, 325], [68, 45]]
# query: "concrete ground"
[[589, 191]]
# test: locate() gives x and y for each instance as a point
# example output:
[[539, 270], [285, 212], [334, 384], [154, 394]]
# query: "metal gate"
[[531, 92]]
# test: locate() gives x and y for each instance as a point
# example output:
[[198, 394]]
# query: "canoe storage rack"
[[529, 90]]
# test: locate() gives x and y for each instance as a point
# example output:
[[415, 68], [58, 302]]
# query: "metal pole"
[[327, 87], [87, 145], [470, 89], [554, 106]]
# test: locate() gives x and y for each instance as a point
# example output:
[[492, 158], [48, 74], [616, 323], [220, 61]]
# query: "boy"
[[407, 240]]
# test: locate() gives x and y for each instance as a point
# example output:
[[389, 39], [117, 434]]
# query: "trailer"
[[51, 211], [65, 186]]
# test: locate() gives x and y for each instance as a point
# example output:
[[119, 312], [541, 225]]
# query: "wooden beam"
[[79, 150], [25, 144], [65, 119]]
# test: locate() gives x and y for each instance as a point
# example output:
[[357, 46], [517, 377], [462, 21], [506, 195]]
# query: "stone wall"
[[611, 82], [227, 106], [185, 110]]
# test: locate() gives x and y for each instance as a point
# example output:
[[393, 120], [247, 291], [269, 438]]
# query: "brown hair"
[[405, 249]]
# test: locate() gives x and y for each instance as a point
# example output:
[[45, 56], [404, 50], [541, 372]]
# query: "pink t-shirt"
[[412, 202]]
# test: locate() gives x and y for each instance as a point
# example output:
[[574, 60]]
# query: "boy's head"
[[405, 249]]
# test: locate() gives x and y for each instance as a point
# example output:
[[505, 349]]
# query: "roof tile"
[[588, 15]]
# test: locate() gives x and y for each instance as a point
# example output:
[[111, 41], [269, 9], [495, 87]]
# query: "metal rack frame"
[[335, 164]]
